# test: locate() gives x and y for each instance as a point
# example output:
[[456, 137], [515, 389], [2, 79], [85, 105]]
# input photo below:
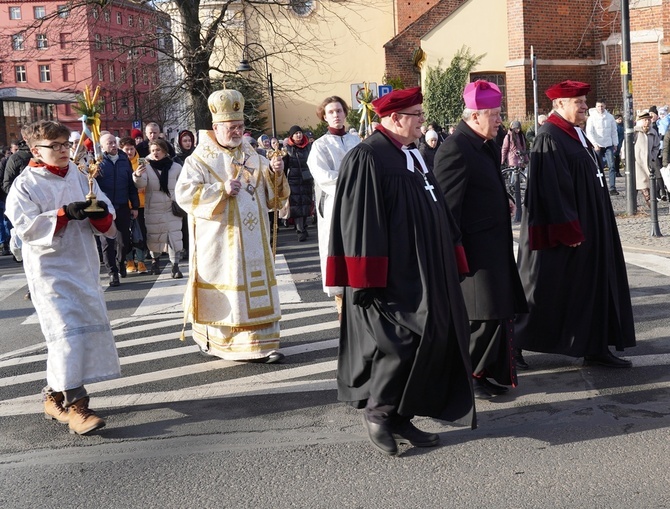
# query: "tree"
[[202, 41], [443, 99]]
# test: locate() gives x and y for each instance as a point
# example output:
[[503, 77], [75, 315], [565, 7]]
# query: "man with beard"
[[227, 188], [570, 258], [404, 330]]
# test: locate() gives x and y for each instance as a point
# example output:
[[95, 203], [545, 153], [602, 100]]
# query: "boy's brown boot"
[[130, 266], [53, 407], [141, 268], [82, 419]]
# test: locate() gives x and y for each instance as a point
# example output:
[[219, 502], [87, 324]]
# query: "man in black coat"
[[467, 167], [404, 331], [15, 165]]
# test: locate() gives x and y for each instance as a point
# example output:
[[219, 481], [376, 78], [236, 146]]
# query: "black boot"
[[176, 273]]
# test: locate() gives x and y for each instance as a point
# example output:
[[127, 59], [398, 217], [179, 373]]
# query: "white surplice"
[[63, 272]]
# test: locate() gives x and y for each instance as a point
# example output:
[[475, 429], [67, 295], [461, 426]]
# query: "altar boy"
[[47, 206]]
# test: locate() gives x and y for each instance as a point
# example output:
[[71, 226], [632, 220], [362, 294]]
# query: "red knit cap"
[[397, 100], [566, 89], [136, 133]]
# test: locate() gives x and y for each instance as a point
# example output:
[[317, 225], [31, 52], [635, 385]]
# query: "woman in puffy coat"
[[299, 178], [159, 177]]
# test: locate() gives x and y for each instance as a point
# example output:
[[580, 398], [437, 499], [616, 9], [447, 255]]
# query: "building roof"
[[36, 96]]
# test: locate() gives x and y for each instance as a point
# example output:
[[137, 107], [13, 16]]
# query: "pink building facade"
[[50, 52]]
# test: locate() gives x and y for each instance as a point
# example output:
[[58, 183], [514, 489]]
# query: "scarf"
[[162, 168], [61, 172], [303, 143]]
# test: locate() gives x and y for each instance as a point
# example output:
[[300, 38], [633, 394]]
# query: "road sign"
[[137, 124], [385, 89]]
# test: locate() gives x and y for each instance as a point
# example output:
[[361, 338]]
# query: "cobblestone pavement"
[[635, 230]]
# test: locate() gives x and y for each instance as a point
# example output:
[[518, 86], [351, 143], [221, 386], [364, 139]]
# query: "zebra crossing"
[[158, 368]]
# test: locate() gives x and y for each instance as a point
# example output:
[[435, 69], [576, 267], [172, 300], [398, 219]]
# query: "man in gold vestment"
[[227, 189]]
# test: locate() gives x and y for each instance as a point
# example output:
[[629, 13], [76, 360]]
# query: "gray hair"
[[468, 112]]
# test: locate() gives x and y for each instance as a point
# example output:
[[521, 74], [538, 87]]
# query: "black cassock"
[[578, 298], [410, 348]]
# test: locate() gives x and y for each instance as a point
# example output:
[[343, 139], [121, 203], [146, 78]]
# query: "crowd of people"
[[414, 236]]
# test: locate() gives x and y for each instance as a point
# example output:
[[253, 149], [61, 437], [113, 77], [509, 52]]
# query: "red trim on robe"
[[357, 271], [61, 220], [102, 225], [461, 260], [551, 235]]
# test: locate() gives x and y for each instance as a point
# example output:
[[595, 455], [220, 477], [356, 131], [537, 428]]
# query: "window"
[[45, 73], [134, 75], [106, 16], [95, 13], [17, 42], [123, 74], [1, 78], [145, 77], [119, 18], [20, 72], [120, 43], [140, 21], [65, 41], [152, 53], [39, 12], [130, 20], [101, 72], [302, 7], [113, 105], [68, 72], [15, 13], [63, 11], [42, 41], [98, 41], [154, 78], [111, 72], [498, 79], [108, 42]]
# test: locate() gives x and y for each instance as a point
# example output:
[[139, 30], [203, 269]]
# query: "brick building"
[[51, 51], [572, 39]]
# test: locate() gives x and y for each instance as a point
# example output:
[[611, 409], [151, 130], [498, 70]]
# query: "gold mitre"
[[226, 105]]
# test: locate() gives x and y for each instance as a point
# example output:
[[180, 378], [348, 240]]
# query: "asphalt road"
[[185, 431]]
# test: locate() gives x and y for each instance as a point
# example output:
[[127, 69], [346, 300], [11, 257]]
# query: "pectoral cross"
[[600, 175], [429, 187]]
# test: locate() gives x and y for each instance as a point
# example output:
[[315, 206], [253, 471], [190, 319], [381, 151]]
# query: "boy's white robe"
[[63, 272]]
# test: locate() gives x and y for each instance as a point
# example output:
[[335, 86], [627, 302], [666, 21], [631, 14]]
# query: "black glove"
[[365, 297], [75, 210], [101, 214]]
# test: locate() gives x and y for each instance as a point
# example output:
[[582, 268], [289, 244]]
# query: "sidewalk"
[[635, 231]]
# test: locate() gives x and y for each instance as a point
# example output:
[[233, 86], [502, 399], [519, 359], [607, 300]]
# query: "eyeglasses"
[[233, 128], [420, 114], [57, 147]]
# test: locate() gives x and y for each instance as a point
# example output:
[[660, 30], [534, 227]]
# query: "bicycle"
[[515, 183]]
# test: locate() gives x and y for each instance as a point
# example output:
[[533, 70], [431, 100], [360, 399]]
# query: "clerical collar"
[[337, 132]]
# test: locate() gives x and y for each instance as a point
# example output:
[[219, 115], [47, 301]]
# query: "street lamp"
[[244, 67]]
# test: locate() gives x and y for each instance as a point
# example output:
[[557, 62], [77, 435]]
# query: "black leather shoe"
[[609, 360], [520, 361], [302, 236], [481, 392], [410, 434], [381, 437], [114, 279], [492, 388], [273, 358]]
